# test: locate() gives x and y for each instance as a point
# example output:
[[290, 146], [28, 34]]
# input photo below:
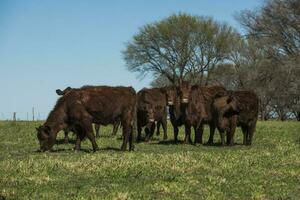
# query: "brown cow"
[[242, 111], [196, 105], [151, 108], [79, 108], [116, 124], [175, 112]]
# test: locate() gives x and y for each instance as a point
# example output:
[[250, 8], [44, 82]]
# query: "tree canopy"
[[178, 47]]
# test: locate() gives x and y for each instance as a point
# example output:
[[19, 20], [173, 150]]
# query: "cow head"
[[150, 113], [171, 95], [45, 138], [184, 92], [224, 106]]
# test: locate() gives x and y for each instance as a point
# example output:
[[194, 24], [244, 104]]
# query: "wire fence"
[[23, 116]]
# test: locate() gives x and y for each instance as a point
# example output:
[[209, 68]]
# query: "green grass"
[[270, 169]]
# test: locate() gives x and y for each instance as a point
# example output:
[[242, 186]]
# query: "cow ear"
[[59, 92]]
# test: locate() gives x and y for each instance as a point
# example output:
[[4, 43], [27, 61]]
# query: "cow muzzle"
[[185, 100], [151, 120], [170, 103]]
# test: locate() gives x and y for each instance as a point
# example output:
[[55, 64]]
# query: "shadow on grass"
[[62, 141], [81, 150], [63, 150], [110, 149], [167, 142], [219, 144]]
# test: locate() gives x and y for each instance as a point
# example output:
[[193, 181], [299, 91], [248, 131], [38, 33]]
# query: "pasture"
[[269, 169]]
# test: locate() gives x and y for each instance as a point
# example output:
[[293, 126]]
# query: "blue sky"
[[50, 44]]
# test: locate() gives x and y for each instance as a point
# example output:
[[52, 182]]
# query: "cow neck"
[[56, 118], [175, 109]]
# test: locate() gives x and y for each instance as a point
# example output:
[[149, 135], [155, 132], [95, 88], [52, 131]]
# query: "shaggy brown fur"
[[79, 108], [242, 111], [116, 124], [151, 108], [197, 109], [176, 117]]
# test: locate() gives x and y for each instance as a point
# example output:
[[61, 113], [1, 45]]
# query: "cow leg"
[[131, 145], [139, 132], [196, 130], [232, 126], [150, 131], [245, 133], [164, 125], [126, 135], [97, 130], [157, 128], [231, 134], [198, 134], [251, 130], [228, 138], [66, 139], [175, 133], [79, 137], [187, 139], [88, 128], [78, 143], [222, 134], [212, 129]]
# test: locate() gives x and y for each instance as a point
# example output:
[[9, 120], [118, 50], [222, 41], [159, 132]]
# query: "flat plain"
[[269, 169]]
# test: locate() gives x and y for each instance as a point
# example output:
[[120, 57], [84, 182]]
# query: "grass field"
[[270, 169]]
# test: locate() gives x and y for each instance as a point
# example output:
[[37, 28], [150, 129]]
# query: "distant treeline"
[[203, 51]]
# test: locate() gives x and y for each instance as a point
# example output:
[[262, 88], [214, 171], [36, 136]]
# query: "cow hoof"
[[132, 149]]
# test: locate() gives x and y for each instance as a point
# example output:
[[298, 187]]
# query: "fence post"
[[14, 117], [32, 113]]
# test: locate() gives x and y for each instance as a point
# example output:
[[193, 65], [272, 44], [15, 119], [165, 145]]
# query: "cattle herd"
[[191, 106]]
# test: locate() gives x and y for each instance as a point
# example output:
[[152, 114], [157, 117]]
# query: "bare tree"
[[179, 46], [273, 41], [278, 22]]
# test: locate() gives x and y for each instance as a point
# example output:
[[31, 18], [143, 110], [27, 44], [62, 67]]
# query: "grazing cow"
[[175, 111], [66, 130], [238, 108], [79, 108], [196, 108], [116, 124], [151, 108]]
